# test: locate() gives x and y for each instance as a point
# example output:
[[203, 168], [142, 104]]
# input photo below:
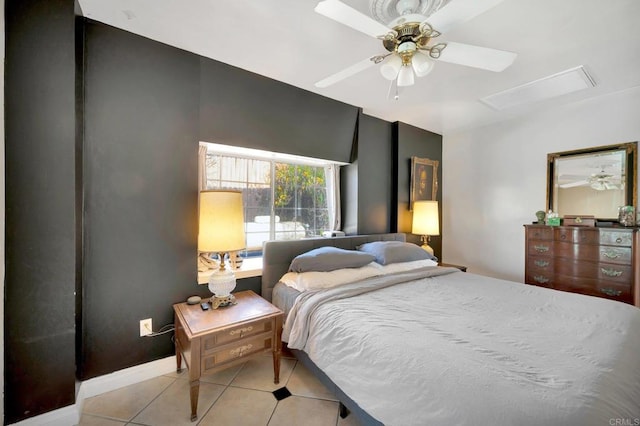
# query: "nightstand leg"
[[178, 359], [276, 367], [195, 390], [277, 350]]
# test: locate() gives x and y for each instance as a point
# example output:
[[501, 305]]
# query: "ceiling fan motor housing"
[[405, 33]]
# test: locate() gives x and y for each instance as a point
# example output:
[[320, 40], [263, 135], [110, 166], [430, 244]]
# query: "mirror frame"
[[631, 149]]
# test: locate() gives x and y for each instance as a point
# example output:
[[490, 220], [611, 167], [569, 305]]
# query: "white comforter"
[[462, 349]]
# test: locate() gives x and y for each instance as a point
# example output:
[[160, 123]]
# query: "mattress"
[[458, 348], [284, 297]]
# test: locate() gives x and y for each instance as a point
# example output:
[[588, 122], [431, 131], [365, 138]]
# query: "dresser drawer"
[[233, 334], [592, 270], [540, 264], [539, 278], [540, 233], [611, 254], [577, 235], [616, 238], [540, 248], [237, 350], [621, 274], [594, 287]]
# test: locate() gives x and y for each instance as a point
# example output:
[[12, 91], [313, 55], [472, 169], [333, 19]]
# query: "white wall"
[[495, 176]]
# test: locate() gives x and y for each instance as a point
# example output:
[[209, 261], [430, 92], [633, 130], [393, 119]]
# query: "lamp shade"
[[391, 67], [221, 223], [422, 64], [405, 76], [425, 218]]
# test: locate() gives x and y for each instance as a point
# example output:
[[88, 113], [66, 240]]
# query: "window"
[[285, 197]]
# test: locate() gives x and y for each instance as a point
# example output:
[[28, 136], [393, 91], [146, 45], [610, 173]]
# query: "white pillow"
[[393, 268], [303, 281]]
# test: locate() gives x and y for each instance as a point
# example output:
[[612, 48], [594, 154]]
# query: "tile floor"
[[239, 396]]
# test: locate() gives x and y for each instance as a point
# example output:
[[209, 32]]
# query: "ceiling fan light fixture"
[[422, 64], [391, 67], [405, 76]]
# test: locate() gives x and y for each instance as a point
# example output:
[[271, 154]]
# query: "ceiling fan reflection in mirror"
[[408, 37], [600, 181]]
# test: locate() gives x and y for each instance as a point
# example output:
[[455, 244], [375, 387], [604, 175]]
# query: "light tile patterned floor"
[[239, 395]]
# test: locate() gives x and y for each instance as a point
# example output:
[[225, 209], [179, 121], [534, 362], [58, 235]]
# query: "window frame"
[[273, 159]]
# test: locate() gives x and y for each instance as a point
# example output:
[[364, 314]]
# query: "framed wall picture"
[[424, 180]]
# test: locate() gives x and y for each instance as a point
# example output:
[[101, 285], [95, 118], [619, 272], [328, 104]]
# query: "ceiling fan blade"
[[347, 72], [572, 184], [477, 57], [346, 15], [458, 11]]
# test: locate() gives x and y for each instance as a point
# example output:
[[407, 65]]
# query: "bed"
[[428, 345]]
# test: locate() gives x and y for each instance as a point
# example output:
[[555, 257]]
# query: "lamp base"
[[425, 244], [222, 301], [221, 284], [427, 248]]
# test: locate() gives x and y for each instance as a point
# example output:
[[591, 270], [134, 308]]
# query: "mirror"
[[593, 181]]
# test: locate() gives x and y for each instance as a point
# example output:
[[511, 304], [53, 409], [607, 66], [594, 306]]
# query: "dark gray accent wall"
[[411, 141], [145, 107], [140, 189], [40, 207], [245, 109], [367, 183]]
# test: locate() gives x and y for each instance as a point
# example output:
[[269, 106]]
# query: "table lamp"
[[425, 221], [221, 230]]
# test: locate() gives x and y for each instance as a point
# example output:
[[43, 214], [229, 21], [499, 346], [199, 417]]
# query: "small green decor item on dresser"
[[540, 214], [553, 219]]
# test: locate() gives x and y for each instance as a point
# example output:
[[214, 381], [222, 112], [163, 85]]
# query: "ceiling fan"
[[600, 181], [409, 37]]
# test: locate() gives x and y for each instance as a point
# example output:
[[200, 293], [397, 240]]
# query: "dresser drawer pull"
[[611, 254], [241, 331], [611, 291], [563, 237], [611, 272], [241, 350], [541, 263], [541, 249], [541, 279], [618, 240]]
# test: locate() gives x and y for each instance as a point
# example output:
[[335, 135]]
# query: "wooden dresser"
[[599, 262]]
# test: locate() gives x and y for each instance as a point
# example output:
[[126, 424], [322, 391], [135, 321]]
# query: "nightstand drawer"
[[243, 348], [236, 333]]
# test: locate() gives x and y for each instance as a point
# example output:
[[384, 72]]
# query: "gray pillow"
[[326, 259], [387, 252]]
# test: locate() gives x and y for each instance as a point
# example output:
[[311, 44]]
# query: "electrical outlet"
[[145, 327]]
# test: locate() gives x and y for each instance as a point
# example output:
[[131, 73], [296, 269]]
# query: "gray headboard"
[[277, 255]]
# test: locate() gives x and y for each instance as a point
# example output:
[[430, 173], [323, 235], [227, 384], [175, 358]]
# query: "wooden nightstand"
[[450, 265], [212, 340]]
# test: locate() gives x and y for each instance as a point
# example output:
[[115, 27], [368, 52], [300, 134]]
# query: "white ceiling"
[[287, 41]]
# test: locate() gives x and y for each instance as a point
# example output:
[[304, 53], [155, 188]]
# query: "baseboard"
[[64, 416], [70, 415], [128, 376]]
